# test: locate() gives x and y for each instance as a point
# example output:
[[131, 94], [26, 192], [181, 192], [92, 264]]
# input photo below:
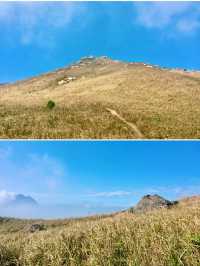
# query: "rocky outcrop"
[[35, 228], [152, 202]]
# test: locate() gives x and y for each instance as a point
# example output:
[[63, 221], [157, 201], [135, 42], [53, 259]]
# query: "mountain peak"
[[12, 199], [24, 200]]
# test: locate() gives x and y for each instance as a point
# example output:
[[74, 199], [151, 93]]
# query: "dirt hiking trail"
[[131, 125]]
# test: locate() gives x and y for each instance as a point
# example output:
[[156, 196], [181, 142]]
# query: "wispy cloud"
[[118, 193], [173, 17], [36, 22], [188, 26], [42, 24], [6, 197], [45, 169], [172, 191], [35, 173]]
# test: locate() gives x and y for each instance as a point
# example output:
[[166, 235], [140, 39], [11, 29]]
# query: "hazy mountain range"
[[20, 206]]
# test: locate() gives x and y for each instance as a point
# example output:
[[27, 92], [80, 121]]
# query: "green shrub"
[[50, 105]]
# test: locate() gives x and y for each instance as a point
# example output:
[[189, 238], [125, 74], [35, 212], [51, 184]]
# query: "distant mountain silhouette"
[[18, 200]]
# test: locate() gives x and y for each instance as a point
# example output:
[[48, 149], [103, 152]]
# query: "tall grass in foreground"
[[164, 237], [80, 121]]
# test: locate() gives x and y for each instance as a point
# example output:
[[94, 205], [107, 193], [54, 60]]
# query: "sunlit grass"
[[161, 103], [163, 237], [80, 121]]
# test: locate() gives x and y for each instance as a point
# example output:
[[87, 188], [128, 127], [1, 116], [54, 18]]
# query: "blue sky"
[[37, 37], [98, 176]]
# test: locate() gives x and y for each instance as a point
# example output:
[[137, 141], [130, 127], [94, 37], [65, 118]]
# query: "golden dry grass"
[[161, 103], [163, 237]]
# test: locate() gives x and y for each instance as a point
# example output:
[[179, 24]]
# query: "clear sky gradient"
[[102, 175], [38, 37]]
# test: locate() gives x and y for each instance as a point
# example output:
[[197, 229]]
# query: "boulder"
[[70, 79], [66, 80], [35, 228], [61, 82]]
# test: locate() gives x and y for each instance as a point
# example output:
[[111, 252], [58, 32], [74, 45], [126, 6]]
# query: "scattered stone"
[[75, 66], [70, 79], [61, 82], [66, 80], [86, 60], [36, 228], [104, 57]]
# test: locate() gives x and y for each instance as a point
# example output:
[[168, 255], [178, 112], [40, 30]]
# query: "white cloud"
[[6, 197], [188, 26], [168, 191], [182, 17], [45, 170], [36, 21], [35, 173]]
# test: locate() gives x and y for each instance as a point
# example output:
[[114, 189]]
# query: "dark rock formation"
[[152, 202], [35, 228]]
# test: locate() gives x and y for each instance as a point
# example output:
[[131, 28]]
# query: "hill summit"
[[102, 98]]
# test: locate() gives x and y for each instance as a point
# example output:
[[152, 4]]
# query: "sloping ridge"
[[190, 201]]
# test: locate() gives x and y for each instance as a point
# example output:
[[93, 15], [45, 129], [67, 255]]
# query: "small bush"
[[50, 105]]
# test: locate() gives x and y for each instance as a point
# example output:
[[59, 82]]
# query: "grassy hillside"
[[161, 103], [161, 237]]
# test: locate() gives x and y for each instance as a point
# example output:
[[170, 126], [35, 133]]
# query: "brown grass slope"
[[161, 103], [164, 237]]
